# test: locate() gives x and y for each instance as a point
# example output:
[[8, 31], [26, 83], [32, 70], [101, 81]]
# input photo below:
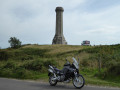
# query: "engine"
[[61, 78]]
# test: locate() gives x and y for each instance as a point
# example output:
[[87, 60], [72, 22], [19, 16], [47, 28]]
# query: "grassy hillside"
[[31, 62]]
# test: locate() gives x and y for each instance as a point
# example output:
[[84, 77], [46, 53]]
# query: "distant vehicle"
[[86, 43]]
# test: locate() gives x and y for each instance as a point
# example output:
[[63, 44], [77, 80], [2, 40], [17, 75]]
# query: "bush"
[[10, 64], [114, 69], [26, 57], [22, 73], [3, 55], [6, 72], [111, 71], [49, 62], [85, 62], [39, 65], [18, 72], [34, 65]]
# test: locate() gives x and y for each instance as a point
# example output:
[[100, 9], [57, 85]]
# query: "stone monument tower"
[[59, 37]]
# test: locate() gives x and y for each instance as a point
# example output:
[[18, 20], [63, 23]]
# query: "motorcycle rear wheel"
[[79, 82], [51, 81]]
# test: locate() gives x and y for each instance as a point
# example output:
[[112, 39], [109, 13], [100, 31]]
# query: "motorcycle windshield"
[[75, 63]]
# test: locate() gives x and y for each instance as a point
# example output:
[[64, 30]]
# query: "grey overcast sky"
[[33, 21]]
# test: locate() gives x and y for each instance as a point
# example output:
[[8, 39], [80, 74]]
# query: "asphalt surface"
[[12, 84]]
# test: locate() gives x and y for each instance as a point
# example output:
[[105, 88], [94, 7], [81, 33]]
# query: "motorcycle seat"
[[56, 69]]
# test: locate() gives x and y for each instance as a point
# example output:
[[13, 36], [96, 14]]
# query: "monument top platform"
[[59, 9]]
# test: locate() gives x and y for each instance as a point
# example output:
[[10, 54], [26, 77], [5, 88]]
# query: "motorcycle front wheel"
[[52, 81], [79, 81]]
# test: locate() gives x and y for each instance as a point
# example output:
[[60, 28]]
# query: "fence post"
[[99, 64]]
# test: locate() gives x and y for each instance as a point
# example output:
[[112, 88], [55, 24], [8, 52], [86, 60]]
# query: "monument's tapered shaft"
[[59, 21], [59, 37]]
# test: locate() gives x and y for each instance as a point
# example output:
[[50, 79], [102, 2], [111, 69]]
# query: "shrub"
[[22, 73], [3, 55], [39, 65], [114, 69], [84, 62], [111, 71], [34, 65], [10, 64], [6, 72], [26, 57], [49, 62]]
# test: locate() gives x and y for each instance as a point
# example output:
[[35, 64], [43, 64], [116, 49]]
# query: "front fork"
[[55, 77], [76, 74]]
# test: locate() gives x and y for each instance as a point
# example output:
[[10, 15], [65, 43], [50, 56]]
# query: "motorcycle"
[[68, 73]]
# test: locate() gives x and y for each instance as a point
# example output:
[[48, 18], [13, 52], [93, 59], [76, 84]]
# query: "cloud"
[[94, 26], [33, 21], [71, 4]]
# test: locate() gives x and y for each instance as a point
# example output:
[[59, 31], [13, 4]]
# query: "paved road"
[[12, 84]]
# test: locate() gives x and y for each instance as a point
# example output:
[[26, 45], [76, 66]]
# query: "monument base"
[[59, 40]]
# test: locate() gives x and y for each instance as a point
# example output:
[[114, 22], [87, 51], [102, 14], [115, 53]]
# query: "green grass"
[[99, 82], [89, 80], [92, 79], [31, 62]]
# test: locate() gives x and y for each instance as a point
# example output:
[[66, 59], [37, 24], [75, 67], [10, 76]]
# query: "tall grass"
[[109, 57], [31, 61]]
